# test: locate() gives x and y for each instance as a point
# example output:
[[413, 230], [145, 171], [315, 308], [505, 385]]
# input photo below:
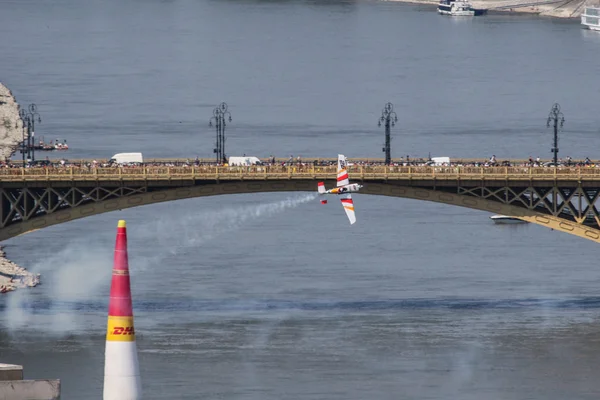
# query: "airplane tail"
[[322, 190], [342, 172], [321, 187]]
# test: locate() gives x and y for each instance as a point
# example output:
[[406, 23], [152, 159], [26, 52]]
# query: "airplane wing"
[[348, 207], [342, 173]]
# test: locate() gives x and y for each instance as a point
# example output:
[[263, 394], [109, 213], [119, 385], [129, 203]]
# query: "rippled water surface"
[[274, 296]]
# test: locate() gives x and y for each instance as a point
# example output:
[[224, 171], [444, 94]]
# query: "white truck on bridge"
[[244, 161], [127, 158]]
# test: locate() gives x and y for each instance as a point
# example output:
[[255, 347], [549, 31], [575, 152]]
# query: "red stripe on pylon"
[[347, 201], [120, 304], [341, 178]]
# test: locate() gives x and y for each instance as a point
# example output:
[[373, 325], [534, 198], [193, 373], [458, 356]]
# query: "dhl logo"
[[121, 330]]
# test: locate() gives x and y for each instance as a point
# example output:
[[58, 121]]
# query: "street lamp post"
[[389, 117], [25, 120], [220, 114], [33, 114], [557, 116]]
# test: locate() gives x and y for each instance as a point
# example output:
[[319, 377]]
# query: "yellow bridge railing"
[[296, 172]]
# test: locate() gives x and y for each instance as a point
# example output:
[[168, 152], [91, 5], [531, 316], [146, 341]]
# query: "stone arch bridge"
[[563, 199]]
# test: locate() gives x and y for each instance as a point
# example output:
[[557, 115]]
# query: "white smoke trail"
[[205, 226], [79, 271], [74, 273]]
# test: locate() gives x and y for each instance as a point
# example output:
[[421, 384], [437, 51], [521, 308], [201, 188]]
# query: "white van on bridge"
[[244, 161], [127, 158]]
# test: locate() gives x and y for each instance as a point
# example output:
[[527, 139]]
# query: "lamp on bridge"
[[220, 113], [389, 117], [25, 119], [557, 116], [30, 117]]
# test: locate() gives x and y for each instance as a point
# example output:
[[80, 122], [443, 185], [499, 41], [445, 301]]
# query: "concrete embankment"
[[550, 8], [14, 387], [13, 276]]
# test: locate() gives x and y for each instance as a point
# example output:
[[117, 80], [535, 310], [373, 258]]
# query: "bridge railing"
[[296, 171]]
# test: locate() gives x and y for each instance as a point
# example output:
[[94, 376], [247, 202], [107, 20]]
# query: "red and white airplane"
[[343, 189]]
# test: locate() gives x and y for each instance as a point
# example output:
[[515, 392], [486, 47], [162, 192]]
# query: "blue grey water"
[[273, 296]]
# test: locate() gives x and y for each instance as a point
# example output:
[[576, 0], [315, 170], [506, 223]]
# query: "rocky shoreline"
[[13, 276], [11, 125], [551, 8]]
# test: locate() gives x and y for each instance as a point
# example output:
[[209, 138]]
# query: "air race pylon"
[[121, 369]]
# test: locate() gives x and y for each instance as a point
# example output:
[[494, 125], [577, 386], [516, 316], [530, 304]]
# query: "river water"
[[273, 296]]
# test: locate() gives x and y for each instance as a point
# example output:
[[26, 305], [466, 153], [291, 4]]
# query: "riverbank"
[[552, 8], [13, 276], [11, 125]]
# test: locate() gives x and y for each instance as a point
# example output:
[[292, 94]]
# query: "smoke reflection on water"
[[80, 272]]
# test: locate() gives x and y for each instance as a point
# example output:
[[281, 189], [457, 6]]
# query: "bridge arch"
[[242, 187]]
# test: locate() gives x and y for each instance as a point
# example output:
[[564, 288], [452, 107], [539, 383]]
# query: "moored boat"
[[590, 18], [457, 8], [48, 146], [505, 219]]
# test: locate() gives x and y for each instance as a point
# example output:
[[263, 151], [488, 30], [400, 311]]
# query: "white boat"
[[590, 17], [456, 8], [504, 219]]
